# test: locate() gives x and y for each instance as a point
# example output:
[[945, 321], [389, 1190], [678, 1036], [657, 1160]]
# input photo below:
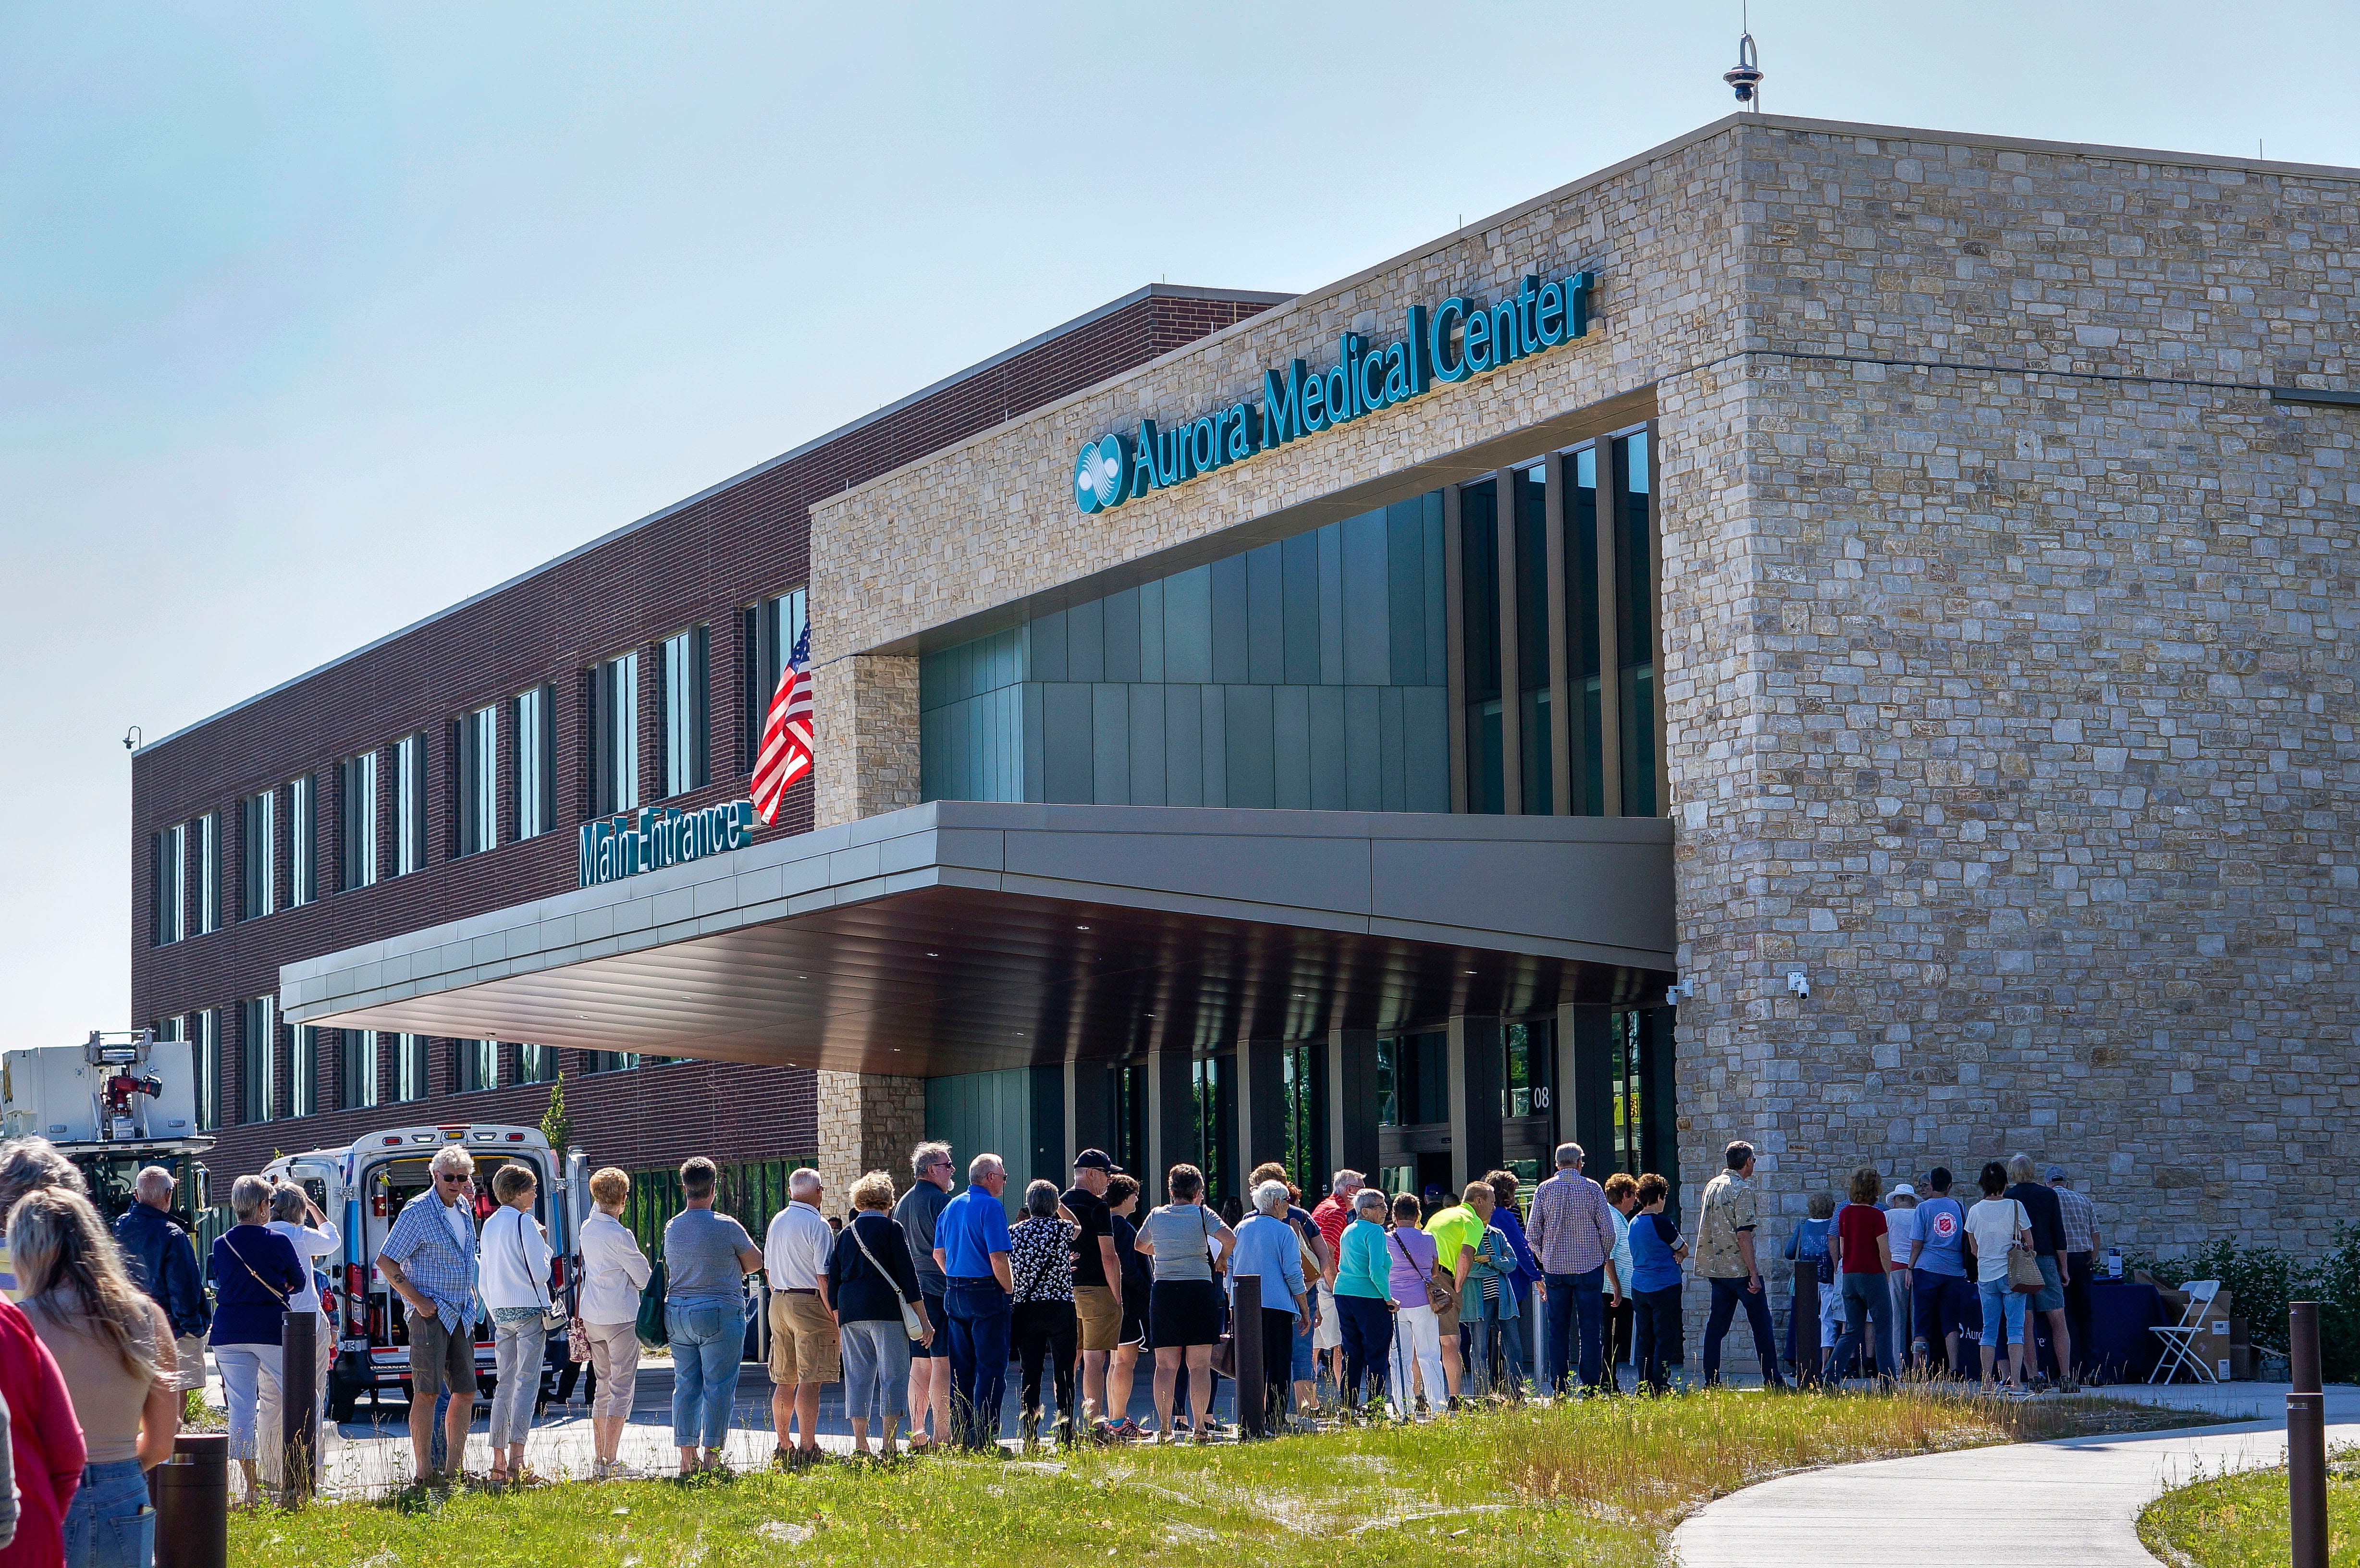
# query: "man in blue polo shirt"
[[971, 1249]]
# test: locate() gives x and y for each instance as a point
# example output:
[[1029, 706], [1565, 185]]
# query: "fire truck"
[[112, 1104]]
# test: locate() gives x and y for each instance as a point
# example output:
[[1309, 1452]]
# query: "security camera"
[[1800, 984]]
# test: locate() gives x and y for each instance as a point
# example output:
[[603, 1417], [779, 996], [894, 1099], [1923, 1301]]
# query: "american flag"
[[786, 753]]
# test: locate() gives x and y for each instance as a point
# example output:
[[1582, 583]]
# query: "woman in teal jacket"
[[1364, 1307]]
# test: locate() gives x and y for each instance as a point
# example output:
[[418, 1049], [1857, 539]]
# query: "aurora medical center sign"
[[1453, 342]]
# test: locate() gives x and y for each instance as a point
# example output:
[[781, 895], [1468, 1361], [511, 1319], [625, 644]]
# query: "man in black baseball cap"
[[1098, 1279]]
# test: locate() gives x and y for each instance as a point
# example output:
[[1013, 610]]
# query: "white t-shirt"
[[1901, 1230], [310, 1245], [1990, 1225]]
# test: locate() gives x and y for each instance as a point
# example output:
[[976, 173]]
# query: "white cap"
[[1901, 1190]]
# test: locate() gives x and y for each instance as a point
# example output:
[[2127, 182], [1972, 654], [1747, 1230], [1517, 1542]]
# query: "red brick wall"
[[703, 562]]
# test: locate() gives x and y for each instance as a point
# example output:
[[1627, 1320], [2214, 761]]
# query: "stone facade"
[[871, 701], [2007, 648], [866, 1122]]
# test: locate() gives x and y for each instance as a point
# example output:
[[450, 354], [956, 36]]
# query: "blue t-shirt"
[[1653, 1267], [1942, 1226], [971, 1227]]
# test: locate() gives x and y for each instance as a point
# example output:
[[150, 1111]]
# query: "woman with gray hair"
[[1364, 1304], [1041, 1265], [256, 1274], [1267, 1250]]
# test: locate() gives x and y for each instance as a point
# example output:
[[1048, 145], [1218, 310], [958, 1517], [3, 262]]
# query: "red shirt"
[[1860, 1225], [1331, 1216], [44, 1439]]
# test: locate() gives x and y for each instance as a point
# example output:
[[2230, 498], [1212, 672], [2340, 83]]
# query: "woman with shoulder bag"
[[1421, 1287], [606, 1315], [514, 1286], [254, 1273], [879, 1309], [1184, 1314], [2000, 1233]]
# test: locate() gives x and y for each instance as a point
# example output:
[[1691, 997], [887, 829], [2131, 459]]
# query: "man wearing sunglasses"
[[428, 1260]]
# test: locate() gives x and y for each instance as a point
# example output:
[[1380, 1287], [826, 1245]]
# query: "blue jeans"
[[2003, 1317], [1728, 1295], [1577, 1302], [708, 1340], [109, 1524], [1868, 1321], [981, 1316], [1488, 1329]]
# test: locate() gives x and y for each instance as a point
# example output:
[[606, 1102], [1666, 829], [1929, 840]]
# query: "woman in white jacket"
[[314, 1237], [614, 1270], [514, 1282]]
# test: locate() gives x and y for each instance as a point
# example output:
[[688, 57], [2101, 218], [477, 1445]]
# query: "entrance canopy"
[[967, 936]]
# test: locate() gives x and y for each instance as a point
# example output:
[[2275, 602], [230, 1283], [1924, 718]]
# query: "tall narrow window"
[[1634, 618], [685, 711], [205, 1035], [209, 873], [257, 854], [302, 1070], [771, 631], [357, 1074], [476, 1064], [1586, 709], [409, 804], [476, 758], [1478, 578], [1529, 1070], [1531, 485], [615, 736], [536, 1064], [169, 884], [303, 840], [536, 761], [258, 1061], [410, 1067], [356, 817]]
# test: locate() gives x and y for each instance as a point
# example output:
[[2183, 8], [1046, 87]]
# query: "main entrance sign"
[[1456, 340], [658, 837]]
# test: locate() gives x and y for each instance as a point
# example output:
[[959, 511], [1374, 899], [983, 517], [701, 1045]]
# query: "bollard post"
[[191, 1493], [299, 1405], [2306, 1440], [1245, 1342]]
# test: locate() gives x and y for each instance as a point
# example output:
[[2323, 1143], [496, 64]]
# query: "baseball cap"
[[1093, 1159], [1902, 1190], [2057, 1173]]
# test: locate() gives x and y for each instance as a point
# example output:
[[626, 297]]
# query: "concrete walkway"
[[2070, 1503]]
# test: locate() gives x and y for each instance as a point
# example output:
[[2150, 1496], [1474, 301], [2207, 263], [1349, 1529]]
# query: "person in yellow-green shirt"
[[1457, 1231], [25, 1164]]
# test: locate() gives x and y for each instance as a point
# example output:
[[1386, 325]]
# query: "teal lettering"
[[1315, 403], [1421, 350], [1397, 360], [1281, 406], [1576, 305], [1437, 355], [1144, 476], [1507, 334], [1240, 434], [1548, 316], [1339, 390], [1526, 334], [1476, 341]]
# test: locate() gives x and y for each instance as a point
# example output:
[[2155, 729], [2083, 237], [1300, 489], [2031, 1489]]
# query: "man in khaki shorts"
[[1098, 1279], [804, 1349]]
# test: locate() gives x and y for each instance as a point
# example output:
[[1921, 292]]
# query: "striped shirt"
[[1572, 1227]]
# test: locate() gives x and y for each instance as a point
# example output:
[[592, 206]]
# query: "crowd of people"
[[918, 1300]]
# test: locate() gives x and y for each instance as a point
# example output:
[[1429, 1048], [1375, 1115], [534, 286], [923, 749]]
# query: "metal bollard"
[[299, 1405], [2306, 1440], [1245, 1345], [191, 1493]]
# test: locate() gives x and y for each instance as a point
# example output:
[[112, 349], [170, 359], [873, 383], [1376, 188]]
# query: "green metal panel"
[[977, 1113]]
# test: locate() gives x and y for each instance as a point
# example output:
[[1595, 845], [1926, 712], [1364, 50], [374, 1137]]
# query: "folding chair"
[[2179, 1338]]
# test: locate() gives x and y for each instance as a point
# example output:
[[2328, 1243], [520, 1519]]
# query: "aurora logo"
[[1454, 342]]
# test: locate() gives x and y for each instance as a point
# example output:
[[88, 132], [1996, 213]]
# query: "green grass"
[[1600, 1483], [2240, 1521]]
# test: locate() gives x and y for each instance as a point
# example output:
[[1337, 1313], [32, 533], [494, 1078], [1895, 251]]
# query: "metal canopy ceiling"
[[962, 936]]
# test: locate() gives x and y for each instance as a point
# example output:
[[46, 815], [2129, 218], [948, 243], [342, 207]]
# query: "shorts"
[[1447, 1318], [2051, 1297], [940, 1317], [1134, 1315], [1944, 1304], [1185, 1312], [804, 1347], [1329, 1334], [1100, 1315], [440, 1359]]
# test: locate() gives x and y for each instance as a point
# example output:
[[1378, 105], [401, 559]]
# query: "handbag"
[[650, 1327], [911, 1322], [2023, 1268], [1441, 1294]]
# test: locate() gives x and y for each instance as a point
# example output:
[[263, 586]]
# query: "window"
[[1478, 597], [1530, 1067], [303, 840], [204, 1035], [303, 1070], [356, 817], [169, 884], [536, 1064], [683, 710], [209, 873], [609, 1060], [410, 1067], [475, 1064], [1635, 616], [259, 1067], [614, 723], [409, 804], [1414, 1078], [257, 854], [770, 630], [357, 1074], [1213, 1100], [1302, 1086], [536, 761], [476, 756], [1529, 488]]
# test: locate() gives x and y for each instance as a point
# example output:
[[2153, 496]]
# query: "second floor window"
[[258, 829], [476, 758], [209, 872], [303, 840], [204, 1038], [171, 850], [536, 761], [409, 804], [615, 736], [357, 814], [258, 1066], [685, 711], [770, 632]]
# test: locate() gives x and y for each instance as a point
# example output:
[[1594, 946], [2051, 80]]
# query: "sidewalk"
[[2071, 1503]]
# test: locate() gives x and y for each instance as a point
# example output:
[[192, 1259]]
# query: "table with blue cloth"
[[2122, 1311]]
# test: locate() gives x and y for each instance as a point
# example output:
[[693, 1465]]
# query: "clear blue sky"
[[316, 318]]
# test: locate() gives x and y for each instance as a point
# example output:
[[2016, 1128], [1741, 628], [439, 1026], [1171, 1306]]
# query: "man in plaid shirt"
[[428, 1260], [2080, 1259], [1572, 1235]]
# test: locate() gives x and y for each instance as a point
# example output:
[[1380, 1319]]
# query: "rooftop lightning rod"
[[1744, 78]]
